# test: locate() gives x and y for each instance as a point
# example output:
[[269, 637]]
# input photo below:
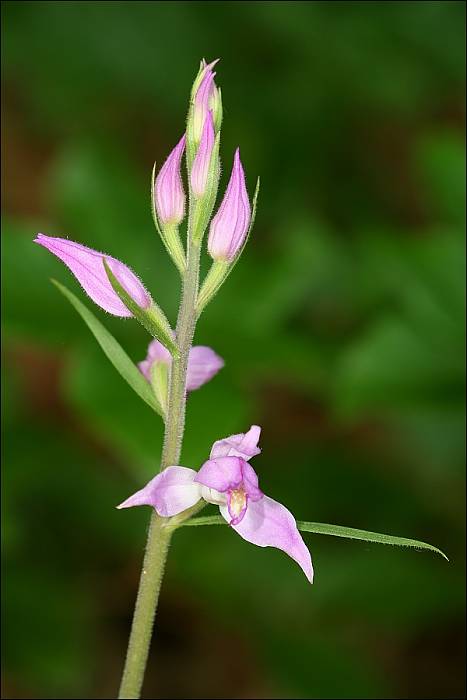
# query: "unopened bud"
[[231, 223]]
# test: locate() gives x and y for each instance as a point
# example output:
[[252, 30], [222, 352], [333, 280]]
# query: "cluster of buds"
[[114, 286], [230, 226], [228, 231]]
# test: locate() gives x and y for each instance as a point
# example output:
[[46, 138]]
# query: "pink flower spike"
[[244, 445], [230, 225], [200, 169], [169, 493], [203, 364], [168, 188], [87, 266]]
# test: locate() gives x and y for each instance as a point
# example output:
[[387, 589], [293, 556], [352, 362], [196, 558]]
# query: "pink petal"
[[156, 353], [169, 493], [230, 224], [168, 188], [88, 267], [203, 98], [221, 474], [268, 523], [250, 482], [203, 364], [244, 445], [206, 88], [200, 168]]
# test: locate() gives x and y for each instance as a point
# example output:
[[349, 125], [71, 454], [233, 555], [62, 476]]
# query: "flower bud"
[[230, 225], [87, 265], [205, 96], [203, 365], [201, 164], [168, 188]]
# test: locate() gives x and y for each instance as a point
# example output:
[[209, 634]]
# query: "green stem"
[[160, 530]]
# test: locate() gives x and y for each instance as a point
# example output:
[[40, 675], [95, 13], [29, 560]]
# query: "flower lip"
[[237, 504]]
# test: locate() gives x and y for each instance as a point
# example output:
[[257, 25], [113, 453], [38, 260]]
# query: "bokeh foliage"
[[342, 329]]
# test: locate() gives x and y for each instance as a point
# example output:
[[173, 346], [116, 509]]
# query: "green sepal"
[[160, 383], [212, 283], [191, 142], [114, 351], [153, 319], [335, 530], [168, 233], [221, 269], [217, 111]]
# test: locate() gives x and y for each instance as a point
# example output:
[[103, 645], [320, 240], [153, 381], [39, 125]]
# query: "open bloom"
[[168, 189], [87, 265], [203, 363], [230, 224], [200, 168], [228, 480]]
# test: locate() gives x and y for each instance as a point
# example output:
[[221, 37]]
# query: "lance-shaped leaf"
[[114, 351], [153, 319], [367, 536], [336, 531]]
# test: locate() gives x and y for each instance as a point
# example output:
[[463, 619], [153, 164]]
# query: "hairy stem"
[[160, 531]]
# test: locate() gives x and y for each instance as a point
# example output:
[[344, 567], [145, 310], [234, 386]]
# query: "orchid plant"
[[173, 366]]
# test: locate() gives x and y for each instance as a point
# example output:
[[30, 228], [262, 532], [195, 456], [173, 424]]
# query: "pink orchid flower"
[[203, 363], [228, 480]]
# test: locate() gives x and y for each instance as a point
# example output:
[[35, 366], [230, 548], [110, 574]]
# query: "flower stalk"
[[159, 530]]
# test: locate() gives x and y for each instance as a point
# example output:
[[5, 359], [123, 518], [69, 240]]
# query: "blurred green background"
[[342, 332]]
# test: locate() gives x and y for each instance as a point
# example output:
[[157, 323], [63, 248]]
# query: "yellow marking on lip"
[[237, 501]]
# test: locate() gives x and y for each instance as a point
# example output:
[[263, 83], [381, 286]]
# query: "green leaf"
[[353, 534], [153, 319], [336, 531], [113, 350]]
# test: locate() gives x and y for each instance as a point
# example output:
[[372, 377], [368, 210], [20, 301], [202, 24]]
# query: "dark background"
[[341, 328]]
